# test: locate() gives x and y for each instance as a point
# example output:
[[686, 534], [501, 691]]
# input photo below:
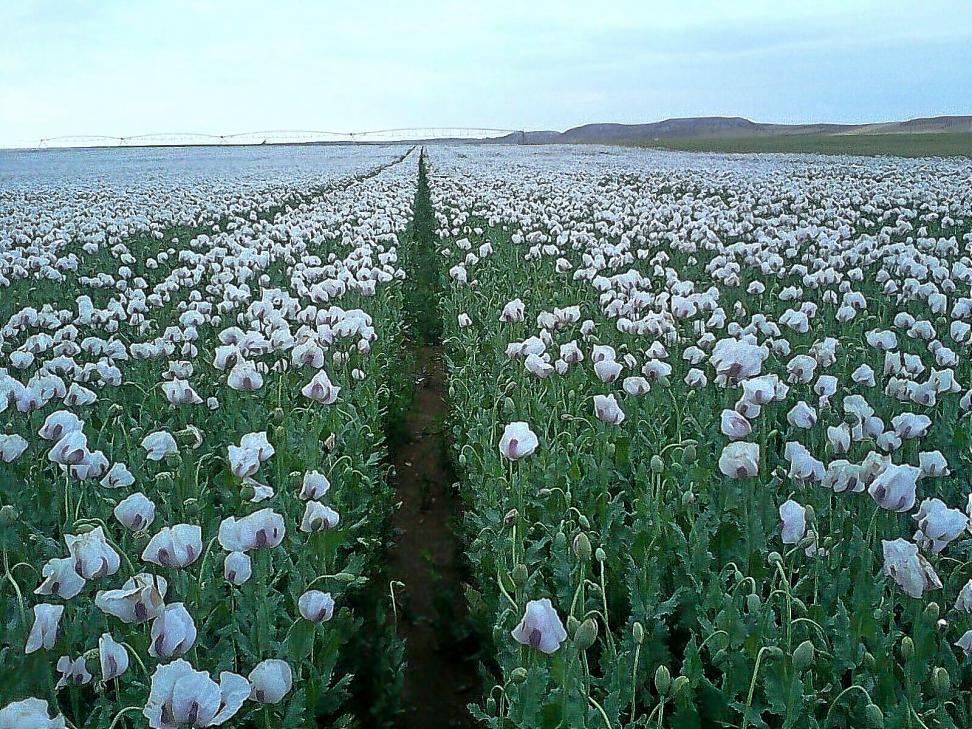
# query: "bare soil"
[[441, 663]]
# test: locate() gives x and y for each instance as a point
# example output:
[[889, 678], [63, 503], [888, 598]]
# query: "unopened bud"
[[638, 633], [560, 541], [582, 547], [680, 686], [278, 415], [774, 558], [907, 647], [657, 464], [663, 680], [519, 675], [510, 518], [753, 603], [941, 681], [584, 522], [688, 498], [689, 456], [600, 555], [586, 634], [520, 575], [874, 716], [572, 624], [9, 515], [803, 656], [932, 611]]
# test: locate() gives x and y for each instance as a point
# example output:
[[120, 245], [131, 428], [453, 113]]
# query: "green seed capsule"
[[582, 547], [803, 656], [663, 680], [657, 464], [586, 634], [874, 716]]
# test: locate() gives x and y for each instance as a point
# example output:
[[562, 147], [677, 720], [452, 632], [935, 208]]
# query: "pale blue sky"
[[129, 67]]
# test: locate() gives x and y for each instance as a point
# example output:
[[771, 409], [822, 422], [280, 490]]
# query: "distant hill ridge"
[[728, 127]]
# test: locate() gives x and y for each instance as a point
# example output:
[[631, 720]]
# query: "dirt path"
[[440, 654], [440, 650]]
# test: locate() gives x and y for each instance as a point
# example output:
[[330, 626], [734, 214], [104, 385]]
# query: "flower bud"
[[753, 602], [689, 456], [663, 680], [511, 517], [680, 686], [874, 716], [803, 656], [582, 547], [657, 464], [638, 633], [572, 624], [9, 515], [519, 675], [688, 498], [520, 575], [600, 555], [585, 634], [809, 513], [932, 612], [941, 681], [490, 705], [907, 648], [278, 415], [173, 460], [584, 521], [774, 558]]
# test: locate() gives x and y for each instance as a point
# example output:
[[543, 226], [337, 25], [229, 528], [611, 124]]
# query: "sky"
[[123, 67]]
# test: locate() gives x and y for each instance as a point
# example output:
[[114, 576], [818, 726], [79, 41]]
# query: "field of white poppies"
[[709, 418]]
